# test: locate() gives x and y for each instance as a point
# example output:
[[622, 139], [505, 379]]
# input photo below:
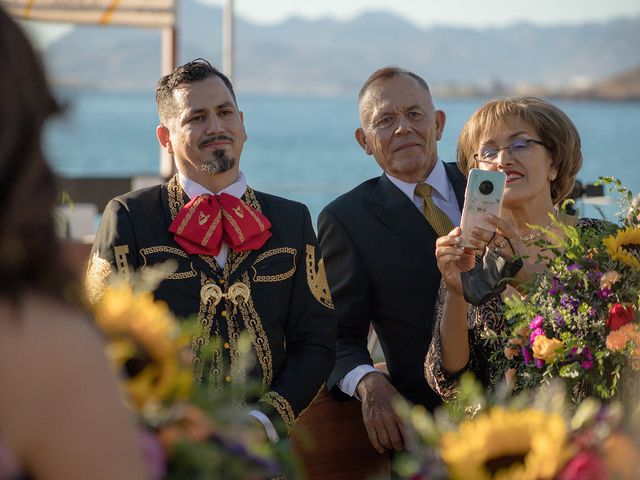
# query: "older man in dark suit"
[[378, 241], [246, 261]]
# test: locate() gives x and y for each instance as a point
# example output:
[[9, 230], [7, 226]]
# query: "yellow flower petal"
[[546, 348], [616, 246], [531, 442]]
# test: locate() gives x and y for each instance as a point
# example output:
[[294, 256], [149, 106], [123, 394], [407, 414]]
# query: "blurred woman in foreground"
[[61, 415], [537, 146]]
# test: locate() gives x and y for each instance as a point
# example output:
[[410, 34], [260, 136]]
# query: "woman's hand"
[[508, 244], [452, 259]]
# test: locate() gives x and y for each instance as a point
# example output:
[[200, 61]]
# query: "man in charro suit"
[[378, 241], [246, 260]]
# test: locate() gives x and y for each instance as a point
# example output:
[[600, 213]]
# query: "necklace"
[[538, 233]]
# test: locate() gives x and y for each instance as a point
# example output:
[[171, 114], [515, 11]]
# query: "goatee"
[[219, 163]]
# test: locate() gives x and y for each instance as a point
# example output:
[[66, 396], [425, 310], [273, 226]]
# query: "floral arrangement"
[[186, 433], [579, 320], [528, 437]]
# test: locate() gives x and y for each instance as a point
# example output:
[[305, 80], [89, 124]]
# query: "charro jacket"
[[278, 294]]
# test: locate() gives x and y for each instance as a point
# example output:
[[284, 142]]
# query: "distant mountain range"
[[331, 57]]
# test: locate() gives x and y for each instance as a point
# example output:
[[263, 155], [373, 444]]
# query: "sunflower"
[[143, 344], [624, 245], [506, 444]]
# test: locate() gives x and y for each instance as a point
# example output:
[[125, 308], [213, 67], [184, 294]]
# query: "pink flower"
[[153, 454], [584, 466], [536, 333], [526, 355], [536, 322]]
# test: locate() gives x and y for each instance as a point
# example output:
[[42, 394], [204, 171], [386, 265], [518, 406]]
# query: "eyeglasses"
[[518, 149]]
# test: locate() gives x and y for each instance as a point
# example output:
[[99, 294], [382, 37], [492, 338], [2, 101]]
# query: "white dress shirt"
[[444, 198]]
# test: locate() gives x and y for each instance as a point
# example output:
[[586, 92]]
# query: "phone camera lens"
[[486, 187]]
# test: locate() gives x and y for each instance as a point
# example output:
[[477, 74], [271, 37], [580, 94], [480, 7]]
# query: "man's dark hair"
[[390, 72], [195, 70]]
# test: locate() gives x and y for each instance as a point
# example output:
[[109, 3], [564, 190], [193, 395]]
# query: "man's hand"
[[382, 424]]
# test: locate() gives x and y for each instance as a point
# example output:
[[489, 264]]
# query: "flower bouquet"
[[578, 320], [527, 437], [186, 433]]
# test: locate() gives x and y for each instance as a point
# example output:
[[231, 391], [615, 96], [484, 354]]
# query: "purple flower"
[[537, 332], [153, 455], [572, 267], [536, 322], [555, 286], [593, 311], [560, 319], [594, 276], [539, 363], [587, 364], [526, 355], [603, 293], [570, 302]]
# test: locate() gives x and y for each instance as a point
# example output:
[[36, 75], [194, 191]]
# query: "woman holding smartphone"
[[538, 148]]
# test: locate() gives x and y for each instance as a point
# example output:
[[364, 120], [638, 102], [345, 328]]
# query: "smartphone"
[[482, 197]]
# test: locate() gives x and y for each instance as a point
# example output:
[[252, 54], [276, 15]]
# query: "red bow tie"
[[208, 220]]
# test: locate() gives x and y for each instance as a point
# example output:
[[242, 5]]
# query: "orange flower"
[[631, 331], [521, 336], [510, 353], [616, 340], [621, 457], [546, 348], [510, 376], [192, 424], [609, 278]]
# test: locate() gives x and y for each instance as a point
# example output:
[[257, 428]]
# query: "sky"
[[424, 13]]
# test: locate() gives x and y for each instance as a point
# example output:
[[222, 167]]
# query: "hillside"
[[330, 57]]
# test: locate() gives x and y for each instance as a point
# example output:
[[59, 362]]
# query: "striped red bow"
[[208, 220]]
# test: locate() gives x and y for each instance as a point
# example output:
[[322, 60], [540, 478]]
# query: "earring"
[[552, 176]]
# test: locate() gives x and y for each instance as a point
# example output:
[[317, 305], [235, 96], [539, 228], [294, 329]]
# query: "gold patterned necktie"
[[436, 217]]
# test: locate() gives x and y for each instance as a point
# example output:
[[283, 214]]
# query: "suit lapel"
[[457, 181], [396, 211]]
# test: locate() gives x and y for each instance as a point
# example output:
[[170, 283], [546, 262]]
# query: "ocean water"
[[304, 148]]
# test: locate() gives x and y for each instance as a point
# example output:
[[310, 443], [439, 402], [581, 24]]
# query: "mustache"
[[215, 138]]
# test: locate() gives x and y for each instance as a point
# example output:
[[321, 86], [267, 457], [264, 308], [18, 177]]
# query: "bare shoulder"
[[57, 378], [40, 328], [43, 344]]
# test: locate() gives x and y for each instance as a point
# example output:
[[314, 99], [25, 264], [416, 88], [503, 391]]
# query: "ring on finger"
[[500, 244]]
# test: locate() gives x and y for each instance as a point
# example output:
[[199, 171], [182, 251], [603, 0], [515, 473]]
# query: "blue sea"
[[304, 148]]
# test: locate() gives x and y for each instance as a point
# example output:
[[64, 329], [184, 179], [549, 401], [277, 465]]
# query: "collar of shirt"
[[437, 179], [193, 189]]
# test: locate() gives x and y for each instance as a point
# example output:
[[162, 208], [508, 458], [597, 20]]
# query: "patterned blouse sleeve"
[[479, 321]]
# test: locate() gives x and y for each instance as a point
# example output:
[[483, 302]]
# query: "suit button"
[[224, 313], [221, 281]]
